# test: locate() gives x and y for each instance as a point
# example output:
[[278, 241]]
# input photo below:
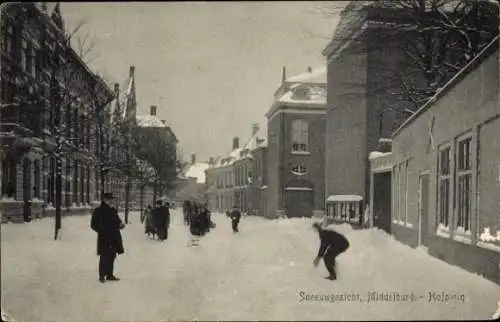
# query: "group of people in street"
[[198, 218], [107, 224], [157, 220]]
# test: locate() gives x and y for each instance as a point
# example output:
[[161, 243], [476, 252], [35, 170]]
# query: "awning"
[[344, 198]]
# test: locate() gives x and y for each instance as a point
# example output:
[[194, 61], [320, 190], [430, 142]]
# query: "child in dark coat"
[[332, 244]]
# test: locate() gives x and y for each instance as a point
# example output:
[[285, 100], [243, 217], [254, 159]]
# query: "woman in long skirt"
[[149, 228]]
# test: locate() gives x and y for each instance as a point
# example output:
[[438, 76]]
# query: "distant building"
[[192, 184], [258, 185], [150, 124], [446, 170], [296, 146], [230, 178]]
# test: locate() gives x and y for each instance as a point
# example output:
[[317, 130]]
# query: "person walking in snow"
[[149, 228], [332, 244], [107, 224], [235, 216], [160, 215], [195, 226]]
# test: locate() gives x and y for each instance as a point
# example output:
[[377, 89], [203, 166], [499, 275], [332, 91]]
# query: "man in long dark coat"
[[107, 224], [235, 218], [160, 220], [332, 244]]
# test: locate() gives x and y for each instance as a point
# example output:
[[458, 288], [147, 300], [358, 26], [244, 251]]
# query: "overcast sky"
[[211, 68]]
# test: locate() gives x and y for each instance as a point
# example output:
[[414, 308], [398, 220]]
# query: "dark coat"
[[106, 222], [161, 217], [235, 215], [195, 224], [331, 241], [205, 220]]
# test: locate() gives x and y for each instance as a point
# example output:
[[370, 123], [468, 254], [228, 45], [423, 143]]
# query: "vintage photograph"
[[250, 160]]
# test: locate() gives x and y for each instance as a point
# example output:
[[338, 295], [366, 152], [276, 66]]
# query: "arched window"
[[299, 169], [300, 136]]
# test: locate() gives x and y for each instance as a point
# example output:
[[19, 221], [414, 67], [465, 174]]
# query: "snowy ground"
[[258, 274]]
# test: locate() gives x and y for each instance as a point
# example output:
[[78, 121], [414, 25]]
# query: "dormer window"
[[299, 169]]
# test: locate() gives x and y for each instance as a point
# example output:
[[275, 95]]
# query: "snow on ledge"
[[376, 154], [489, 246], [344, 198], [298, 189]]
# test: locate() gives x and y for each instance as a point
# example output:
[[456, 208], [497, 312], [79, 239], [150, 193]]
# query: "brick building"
[[296, 146], [446, 170], [364, 58], [258, 185], [229, 179], [31, 37]]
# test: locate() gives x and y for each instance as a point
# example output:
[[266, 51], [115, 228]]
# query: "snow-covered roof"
[[316, 76], [149, 121], [197, 171], [256, 141], [344, 198], [306, 90]]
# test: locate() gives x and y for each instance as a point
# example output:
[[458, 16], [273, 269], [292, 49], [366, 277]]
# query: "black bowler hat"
[[108, 196]]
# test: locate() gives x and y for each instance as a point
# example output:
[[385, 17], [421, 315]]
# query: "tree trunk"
[[127, 198], [142, 197], [58, 195]]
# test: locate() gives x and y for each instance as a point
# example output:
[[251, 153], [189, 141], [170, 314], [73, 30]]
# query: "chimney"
[[211, 161], [255, 129], [193, 158], [117, 90], [132, 70], [236, 143], [283, 75], [309, 69], [152, 110], [164, 122]]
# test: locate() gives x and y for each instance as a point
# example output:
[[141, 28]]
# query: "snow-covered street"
[[262, 273]]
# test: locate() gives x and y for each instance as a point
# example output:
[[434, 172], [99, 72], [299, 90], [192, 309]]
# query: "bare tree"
[[158, 147], [438, 37]]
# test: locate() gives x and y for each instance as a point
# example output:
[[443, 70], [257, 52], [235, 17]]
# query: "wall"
[[465, 105], [273, 165], [345, 161]]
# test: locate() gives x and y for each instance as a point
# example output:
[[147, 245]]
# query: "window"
[[24, 54], [33, 62], [8, 44], [443, 188], [36, 189], [395, 198], [402, 193], [300, 136], [299, 169], [464, 185]]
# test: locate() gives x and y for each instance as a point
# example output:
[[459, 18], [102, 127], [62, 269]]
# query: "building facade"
[[229, 179], [446, 171], [296, 146], [34, 59], [193, 184], [258, 185], [364, 58]]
